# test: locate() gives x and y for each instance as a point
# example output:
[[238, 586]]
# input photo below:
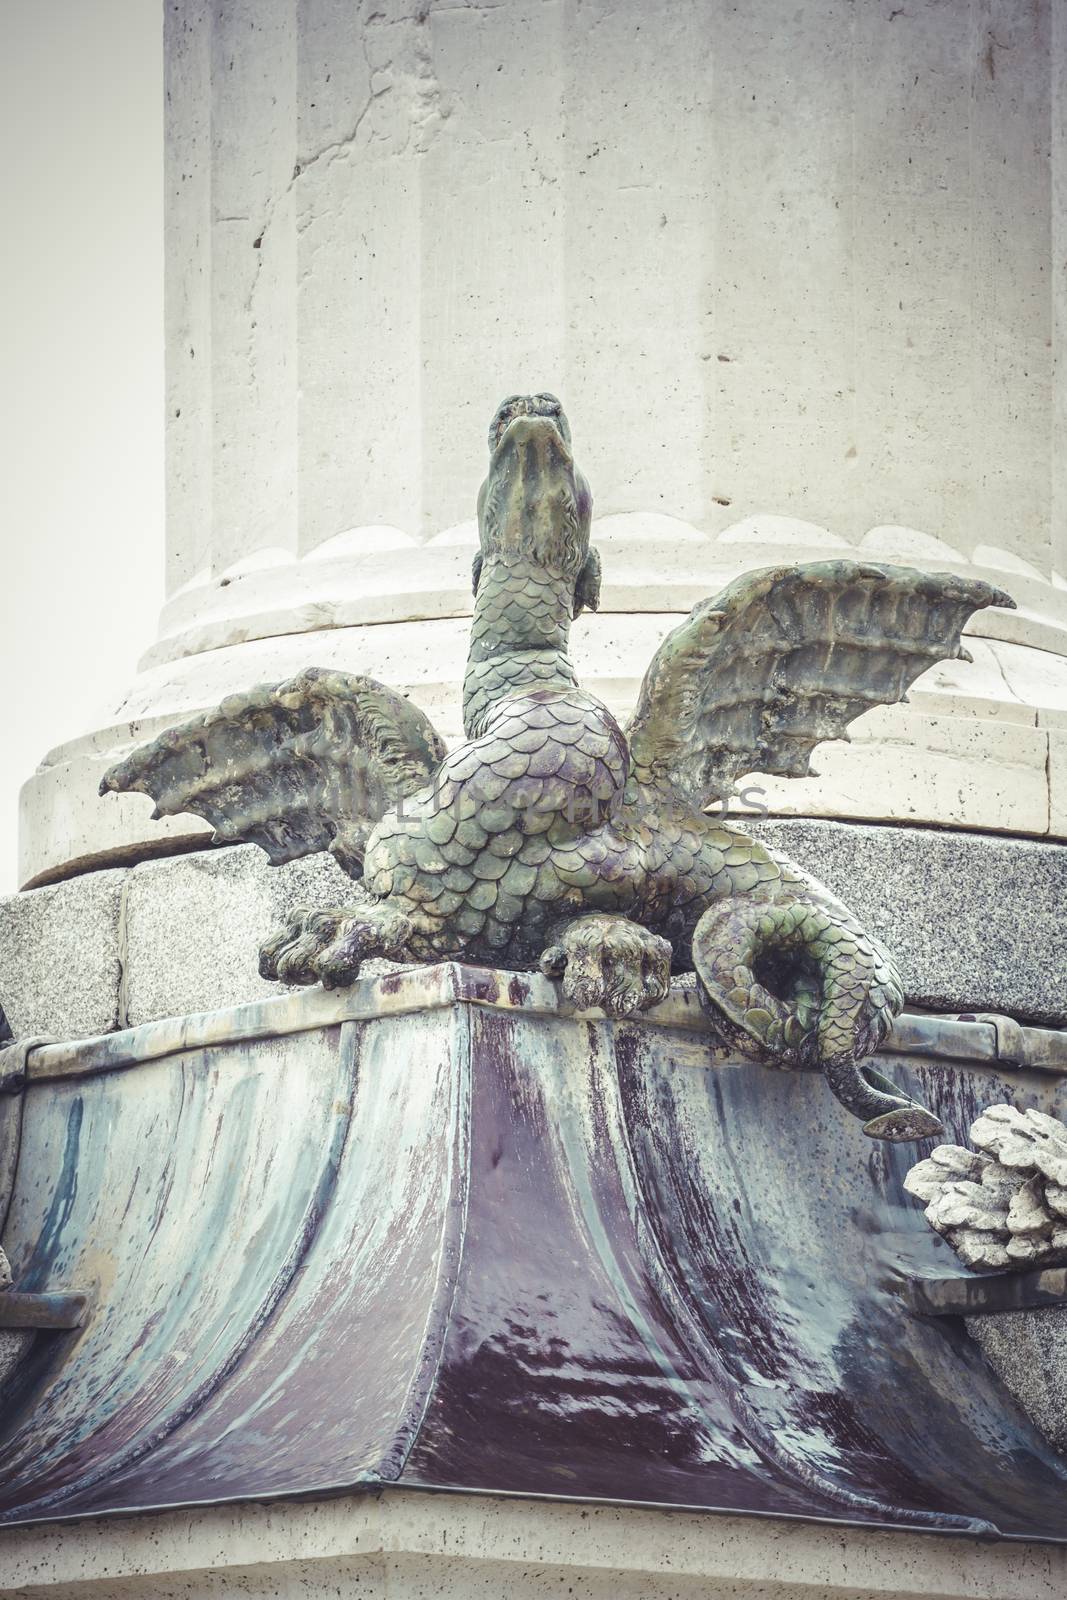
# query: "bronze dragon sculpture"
[[555, 838]]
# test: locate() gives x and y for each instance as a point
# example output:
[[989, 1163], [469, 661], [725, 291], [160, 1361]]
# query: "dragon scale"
[[555, 838]]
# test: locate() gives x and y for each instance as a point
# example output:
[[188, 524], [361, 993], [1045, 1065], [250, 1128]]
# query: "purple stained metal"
[[483, 1245]]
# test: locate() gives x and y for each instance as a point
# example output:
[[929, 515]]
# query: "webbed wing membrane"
[[297, 767], [787, 657]]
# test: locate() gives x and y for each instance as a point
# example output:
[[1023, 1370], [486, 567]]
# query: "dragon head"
[[534, 504]]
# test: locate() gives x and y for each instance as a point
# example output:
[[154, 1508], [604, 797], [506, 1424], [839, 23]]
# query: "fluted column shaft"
[[778, 257], [796, 269]]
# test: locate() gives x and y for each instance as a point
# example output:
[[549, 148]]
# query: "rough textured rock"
[[1028, 1352], [112, 949], [61, 957], [194, 925], [14, 1343], [974, 921], [1003, 1205]]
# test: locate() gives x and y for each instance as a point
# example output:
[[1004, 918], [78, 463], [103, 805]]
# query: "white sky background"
[[81, 370]]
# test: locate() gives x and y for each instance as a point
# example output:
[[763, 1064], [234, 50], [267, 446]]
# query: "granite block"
[[975, 921], [14, 1345], [61, 957], [1028, 1352], [194, 925]]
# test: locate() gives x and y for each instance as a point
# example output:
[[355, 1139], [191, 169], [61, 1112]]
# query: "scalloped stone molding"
[[652, 562], [981, 745]]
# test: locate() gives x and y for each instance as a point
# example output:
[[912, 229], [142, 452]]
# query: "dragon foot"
[[329, 946], [803, 985], [607, 961]]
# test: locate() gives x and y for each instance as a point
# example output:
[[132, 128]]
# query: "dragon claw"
[[609, 962], [377, 930], [287, 955], [316, 945]]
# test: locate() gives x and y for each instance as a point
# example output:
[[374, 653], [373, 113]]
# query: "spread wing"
[[786, 657], [295, 767]]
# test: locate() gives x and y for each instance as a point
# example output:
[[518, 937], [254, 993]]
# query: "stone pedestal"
[[793, 273], [398, 1546]]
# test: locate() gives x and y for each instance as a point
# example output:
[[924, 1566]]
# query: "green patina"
[[554, 837]]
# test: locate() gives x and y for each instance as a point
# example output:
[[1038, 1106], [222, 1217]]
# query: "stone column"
[[795, 271]]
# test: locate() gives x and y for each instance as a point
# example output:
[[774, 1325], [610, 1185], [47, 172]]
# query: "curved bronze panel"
[[485, 1245]]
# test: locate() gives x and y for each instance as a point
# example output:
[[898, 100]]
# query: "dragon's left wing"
[[785, 658], [295, 767]]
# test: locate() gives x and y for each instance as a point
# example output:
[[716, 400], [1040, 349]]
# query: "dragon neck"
[[519, 635]]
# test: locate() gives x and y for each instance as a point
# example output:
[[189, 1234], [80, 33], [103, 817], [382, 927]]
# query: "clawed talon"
[[330, 946], [377, 931], [289, 955], [609, 962]]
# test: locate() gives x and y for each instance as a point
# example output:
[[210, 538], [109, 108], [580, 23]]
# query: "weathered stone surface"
[[61, 957], [1023, 1141], [194, 925], [906, 766], [975, 922], [1028, 1352], [455, 1547], [784, 394], [111, 949], [770, 410]]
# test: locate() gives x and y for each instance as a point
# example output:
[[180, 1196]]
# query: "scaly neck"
[[519, 635]]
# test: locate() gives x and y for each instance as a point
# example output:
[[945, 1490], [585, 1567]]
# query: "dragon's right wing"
[[296, 767], [786, 657]]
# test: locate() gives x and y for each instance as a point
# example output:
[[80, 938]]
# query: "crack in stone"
[[1014, 698], [428, 111]]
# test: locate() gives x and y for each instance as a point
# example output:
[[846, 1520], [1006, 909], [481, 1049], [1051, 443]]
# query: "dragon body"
[[554, 837]]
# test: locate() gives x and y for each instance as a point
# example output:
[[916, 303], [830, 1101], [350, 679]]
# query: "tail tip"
[[904, 1125]]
